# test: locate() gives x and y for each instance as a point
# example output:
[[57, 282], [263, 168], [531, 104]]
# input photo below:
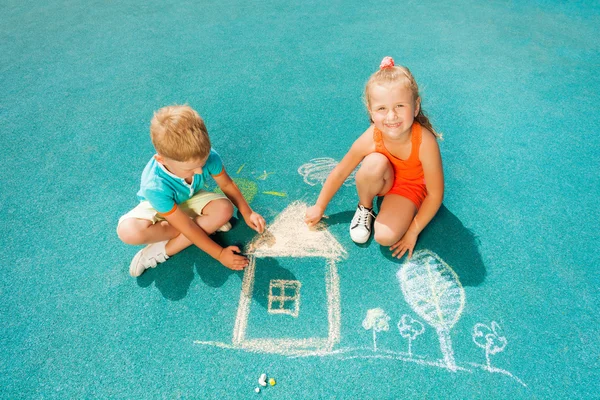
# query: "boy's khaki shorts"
[[192, 207]]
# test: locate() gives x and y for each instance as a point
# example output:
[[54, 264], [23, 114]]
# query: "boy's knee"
[[221, 209], [128, 232]]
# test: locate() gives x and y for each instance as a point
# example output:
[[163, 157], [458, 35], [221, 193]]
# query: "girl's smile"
[[393, 109]]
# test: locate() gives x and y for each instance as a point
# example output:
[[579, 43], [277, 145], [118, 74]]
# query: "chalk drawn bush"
[[410, 328], [490, 339], [317, 170], [434, 292], [377, 320]]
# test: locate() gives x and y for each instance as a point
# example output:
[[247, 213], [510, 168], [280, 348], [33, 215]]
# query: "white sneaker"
[[149, 257], [360, 227], [225, 228]]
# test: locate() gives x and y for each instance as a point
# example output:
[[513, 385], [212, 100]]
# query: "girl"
[[400, 161]]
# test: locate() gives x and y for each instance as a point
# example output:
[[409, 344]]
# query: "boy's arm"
[[233, 193], [226, 256], [360, 148], [431, 160]]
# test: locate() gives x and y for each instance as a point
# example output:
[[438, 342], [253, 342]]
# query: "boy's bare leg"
[[375, 177], [214, 215], [141, 231], [394, 218]]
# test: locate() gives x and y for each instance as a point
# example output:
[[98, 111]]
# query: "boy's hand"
[[406, 243], [231, 260], [313, 215], [256, 222]]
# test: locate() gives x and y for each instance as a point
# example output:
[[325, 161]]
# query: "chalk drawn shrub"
[[490, 339], [410, 328], [376, 320], [434, 292], [317, 170]]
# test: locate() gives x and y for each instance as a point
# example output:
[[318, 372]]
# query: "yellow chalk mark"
[[240, 168], [248, 188], [280, 194]]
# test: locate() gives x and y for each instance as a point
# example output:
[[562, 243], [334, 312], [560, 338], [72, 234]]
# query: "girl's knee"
[[384, 235], [373, 165]]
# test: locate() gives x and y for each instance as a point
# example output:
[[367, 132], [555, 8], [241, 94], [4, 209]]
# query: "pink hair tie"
[[387, 62]]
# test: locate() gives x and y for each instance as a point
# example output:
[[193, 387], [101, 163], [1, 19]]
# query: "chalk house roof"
[[289, 236]]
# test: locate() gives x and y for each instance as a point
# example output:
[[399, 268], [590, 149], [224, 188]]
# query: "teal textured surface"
[[513, 87]]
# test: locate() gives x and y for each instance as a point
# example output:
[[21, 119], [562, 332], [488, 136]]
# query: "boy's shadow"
[[458, 246], [268, 269], [174, 277]]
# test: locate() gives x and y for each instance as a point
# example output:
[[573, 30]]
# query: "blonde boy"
[[175, 211]]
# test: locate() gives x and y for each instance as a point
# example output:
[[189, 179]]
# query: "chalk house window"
[[284, 297]]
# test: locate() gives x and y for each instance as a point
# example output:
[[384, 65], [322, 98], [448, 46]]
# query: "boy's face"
[[183, 169], [393, 109]]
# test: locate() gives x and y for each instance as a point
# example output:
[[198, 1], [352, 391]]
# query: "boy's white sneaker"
[[361, 225], [225, 228], [149, 257]]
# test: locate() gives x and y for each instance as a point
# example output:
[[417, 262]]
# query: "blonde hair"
[[179, 133], [399, 74]]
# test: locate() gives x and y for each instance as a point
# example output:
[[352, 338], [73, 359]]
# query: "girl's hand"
[[256, 222], [313, 215], [231, 258], [406, 243]]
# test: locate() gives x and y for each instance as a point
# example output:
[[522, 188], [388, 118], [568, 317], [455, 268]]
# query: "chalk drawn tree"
[[434, 292], [377, 320], [489, 339], [410, 328]]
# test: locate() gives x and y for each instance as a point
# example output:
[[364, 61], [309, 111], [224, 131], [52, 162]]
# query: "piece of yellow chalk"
[[272, 382]]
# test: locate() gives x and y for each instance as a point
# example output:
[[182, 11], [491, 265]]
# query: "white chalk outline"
[[288, 236], [282, 285], [318, 169], [297, 242]]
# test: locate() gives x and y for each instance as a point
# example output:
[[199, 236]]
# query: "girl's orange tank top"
[[406, 172]]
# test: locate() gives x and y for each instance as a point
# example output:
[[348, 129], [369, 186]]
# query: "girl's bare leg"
[[394, 218], [374, 177]]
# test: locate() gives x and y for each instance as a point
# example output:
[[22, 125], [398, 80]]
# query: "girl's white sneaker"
[[361, 225]]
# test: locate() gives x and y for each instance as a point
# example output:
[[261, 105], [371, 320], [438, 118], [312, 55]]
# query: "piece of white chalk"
[[262, 381], [257, 390]]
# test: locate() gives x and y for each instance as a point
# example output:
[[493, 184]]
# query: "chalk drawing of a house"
[[290, 242]]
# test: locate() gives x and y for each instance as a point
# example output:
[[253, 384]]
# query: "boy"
[[175, 212]]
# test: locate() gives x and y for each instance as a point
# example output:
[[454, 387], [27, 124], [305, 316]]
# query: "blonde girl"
[[400, 160]]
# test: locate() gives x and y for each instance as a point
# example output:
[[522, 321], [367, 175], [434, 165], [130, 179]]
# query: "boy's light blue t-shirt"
[[164, 190]]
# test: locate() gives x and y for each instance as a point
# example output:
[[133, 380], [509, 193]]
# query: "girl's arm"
[[430, 157], [233, 193], [431, 160], [360, 148]]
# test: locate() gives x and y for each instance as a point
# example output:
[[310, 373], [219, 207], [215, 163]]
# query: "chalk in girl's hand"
[[257, 390], [262, 381], [272, 382]]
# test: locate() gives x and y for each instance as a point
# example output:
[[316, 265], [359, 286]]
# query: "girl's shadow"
[[458, 246]]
